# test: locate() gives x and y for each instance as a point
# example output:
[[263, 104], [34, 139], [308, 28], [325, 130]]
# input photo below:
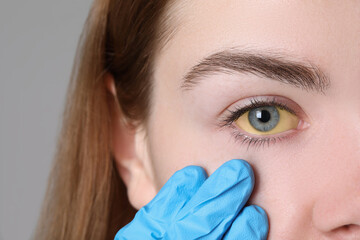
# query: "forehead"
[[318, 30]]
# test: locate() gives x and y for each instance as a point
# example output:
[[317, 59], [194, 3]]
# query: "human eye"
[[264, 120]]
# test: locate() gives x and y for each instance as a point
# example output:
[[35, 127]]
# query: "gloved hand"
[[192, 206]]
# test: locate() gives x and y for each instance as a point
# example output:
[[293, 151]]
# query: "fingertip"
[[180, 187], [257, 220], [230, 185], [188, 173], [251, 223], [261, 212], [239, 170], [193, 171], [242, 164]]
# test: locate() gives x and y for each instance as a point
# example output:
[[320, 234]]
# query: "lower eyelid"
[[267, 139], [261, 141], [302, 125]]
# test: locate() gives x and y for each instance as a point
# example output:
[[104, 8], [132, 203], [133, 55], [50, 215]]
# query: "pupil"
[[263, 116], [264, 119]]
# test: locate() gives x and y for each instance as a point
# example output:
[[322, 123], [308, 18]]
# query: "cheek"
[[306, 179], [174, 147], [176, 143]]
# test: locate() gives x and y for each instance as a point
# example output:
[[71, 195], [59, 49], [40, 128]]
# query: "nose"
[[336, 212], [337, 215]]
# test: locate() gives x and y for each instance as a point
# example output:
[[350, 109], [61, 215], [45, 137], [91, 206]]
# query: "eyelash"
[[233, 115]]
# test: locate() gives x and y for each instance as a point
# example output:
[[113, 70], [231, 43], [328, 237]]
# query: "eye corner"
[[302, 125]]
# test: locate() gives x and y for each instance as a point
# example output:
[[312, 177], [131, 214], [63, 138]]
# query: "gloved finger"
[[149, 220], [251, 224], [175, 193], [218, 201]]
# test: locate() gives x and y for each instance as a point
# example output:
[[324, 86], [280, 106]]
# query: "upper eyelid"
[[290, 106], [263, 104]]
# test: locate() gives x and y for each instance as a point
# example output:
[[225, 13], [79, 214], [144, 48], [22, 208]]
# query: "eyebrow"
[[275, 66]]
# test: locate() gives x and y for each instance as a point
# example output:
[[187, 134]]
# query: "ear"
[[129, 147]]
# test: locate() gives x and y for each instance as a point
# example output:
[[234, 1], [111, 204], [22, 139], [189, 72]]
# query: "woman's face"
[[304, 55]]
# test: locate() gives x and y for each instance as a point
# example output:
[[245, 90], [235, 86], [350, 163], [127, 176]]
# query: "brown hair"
[[86, 198]]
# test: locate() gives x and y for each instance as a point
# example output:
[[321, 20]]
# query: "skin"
[[309, 183]]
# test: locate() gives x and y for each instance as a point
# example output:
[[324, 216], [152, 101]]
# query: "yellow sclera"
[[287, 121]]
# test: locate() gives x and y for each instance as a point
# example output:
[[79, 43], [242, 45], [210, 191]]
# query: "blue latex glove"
[[192, 206]]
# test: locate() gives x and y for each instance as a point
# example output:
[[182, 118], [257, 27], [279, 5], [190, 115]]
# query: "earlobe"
[[140, 185], [129, 148]]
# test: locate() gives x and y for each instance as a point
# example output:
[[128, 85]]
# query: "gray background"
[[38, 39]]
